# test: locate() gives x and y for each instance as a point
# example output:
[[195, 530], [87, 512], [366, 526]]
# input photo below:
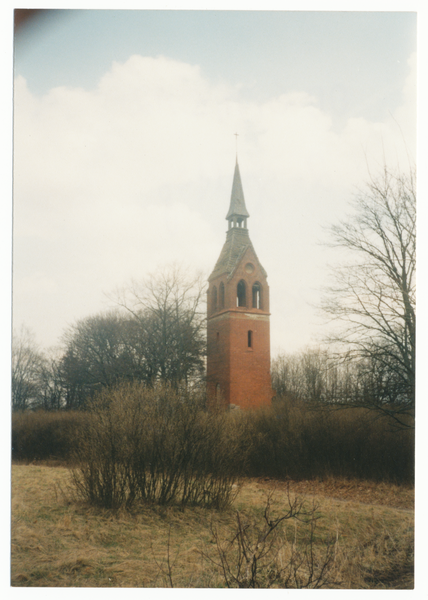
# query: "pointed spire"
[[237, 202]]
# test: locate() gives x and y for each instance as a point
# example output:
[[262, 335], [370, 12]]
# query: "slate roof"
[[237, 238], [237, 242], [237, 201]]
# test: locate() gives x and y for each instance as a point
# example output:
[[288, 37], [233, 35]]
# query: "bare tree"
[[51, 381], [373, 294], [169, 317], [159, 336], [27, 362], [97, 354], [303, 375]]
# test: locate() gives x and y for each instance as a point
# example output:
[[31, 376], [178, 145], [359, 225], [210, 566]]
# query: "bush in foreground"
[[155, 445], [260, 555]]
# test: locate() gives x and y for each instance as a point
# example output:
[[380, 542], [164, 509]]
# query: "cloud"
[[112, 182], [405, 116]]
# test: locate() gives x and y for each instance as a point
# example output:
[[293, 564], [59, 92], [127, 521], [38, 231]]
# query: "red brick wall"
[[242, 372], [218, 359]]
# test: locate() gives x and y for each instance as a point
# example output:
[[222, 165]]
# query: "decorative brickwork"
[[238, 353]]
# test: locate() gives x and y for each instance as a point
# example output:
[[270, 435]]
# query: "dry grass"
[[57, 541], [354, 490]]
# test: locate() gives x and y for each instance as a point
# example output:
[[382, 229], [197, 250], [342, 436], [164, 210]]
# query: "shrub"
[[43, 435], [143, 431], [259, 554], [155, 445], [293, 440]]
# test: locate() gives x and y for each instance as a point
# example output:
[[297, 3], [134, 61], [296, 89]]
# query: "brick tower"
[[238, 353]]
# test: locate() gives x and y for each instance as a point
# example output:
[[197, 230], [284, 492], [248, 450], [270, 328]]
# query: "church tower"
[[238, 353]]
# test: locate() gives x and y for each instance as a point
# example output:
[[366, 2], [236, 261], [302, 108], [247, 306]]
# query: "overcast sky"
[[124, 149]]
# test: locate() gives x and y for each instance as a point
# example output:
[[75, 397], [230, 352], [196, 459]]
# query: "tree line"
[[156, 333]]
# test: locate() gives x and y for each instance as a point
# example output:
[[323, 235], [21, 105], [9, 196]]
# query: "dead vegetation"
[[289, 440], [260, 553], [350, 490], [58, 541], [155, 445]]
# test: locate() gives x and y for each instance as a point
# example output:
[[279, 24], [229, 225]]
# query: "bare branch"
[[373, 294]]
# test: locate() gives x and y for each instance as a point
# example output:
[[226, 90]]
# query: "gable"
[[237, 244], [247, 256]]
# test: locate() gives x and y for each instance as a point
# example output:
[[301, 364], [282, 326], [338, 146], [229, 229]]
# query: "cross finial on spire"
[[236, 136]]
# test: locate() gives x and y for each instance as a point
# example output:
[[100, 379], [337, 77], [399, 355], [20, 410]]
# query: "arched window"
[[257, 295], [241, 299], [214, 299], [221, 295]]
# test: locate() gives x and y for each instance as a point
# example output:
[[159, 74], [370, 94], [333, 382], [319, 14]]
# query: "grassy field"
[[59, 541]]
